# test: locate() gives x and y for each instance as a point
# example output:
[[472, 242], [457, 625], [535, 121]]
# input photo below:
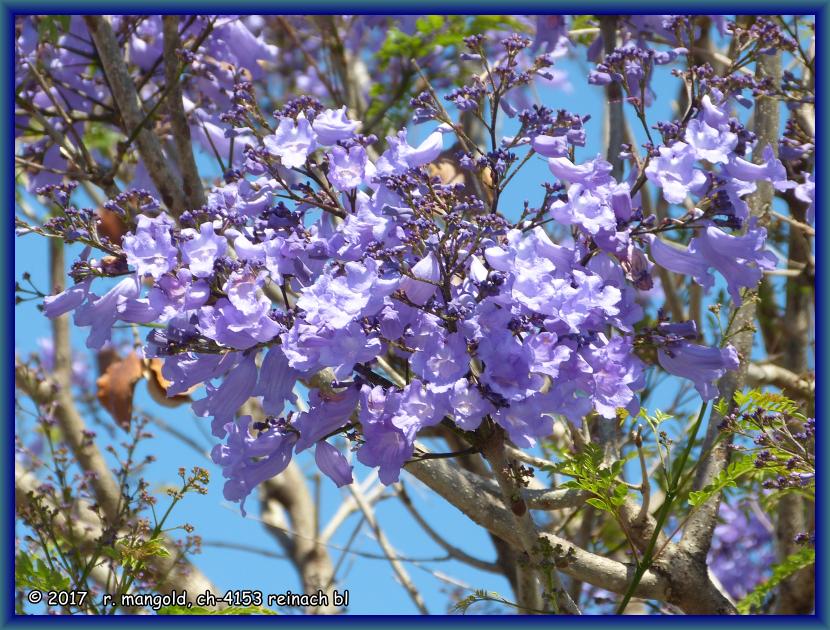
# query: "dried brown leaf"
[[157, 385], [117, 385]]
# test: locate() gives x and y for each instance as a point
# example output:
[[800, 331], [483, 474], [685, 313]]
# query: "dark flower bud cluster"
[[670, 131], [132, 202], [541, 120], [306, 105], [58, 194], [467, 97], [763, 35], [423, 106], [731, 85]]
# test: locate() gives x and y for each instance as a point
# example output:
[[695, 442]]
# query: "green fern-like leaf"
[[780, 572], [725, 479]]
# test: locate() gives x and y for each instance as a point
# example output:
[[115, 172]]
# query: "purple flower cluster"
[[418, 305]]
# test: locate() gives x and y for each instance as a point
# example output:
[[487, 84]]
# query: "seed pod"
[[518, 506]]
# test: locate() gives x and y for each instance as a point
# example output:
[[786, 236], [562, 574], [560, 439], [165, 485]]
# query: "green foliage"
[[769, 420], [589, 473], [51, 27], [38, 576], [135, 553], [768, 401], [780, 572], [440, 30], [725, 479], [721, 406], [656, 420], [230, 610], [579, 22], [100, 136]]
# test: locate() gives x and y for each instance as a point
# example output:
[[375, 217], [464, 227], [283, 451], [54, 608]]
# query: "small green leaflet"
[[725, 479], [780, 572]]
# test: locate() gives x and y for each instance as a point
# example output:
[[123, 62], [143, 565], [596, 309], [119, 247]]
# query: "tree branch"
[[697, 537], [289, 491], [460, 490], [126, 98], [194, 192], [455, 552], [614, 114], [388, 550]]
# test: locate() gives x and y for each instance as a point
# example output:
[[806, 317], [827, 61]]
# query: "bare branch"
[[454, 551], [390, 552], [289, 491], [194, 192], [349, 507], [614, 114], [459, 489], [762, 374], [126, 98]]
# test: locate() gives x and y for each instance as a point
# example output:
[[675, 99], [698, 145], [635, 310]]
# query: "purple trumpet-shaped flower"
[[770, 169], [276, 382], [332, 125], [386, 446], [291, 142], [65, 301], [202, 249], [401, 156], [325, 415], [100, 313], [508, 367], [592, 173], [418, 407], [680, 260], [418, 291], [347, 167], [441, 360], [550, 146], [710, 143], [224, 401], [331, 463], [742, 548], [673, 171], [526, 420], [617, 374], [335, 301], [713, 115], [243, 319], [740, 259], [547, 354], [587, 207], [702, 365], [150, 249], [188, 369], [172, 294], [345, 347], [806, 192], [467, 405], [248, 460]]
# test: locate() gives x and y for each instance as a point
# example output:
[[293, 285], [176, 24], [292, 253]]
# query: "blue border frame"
[[7, 12]]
